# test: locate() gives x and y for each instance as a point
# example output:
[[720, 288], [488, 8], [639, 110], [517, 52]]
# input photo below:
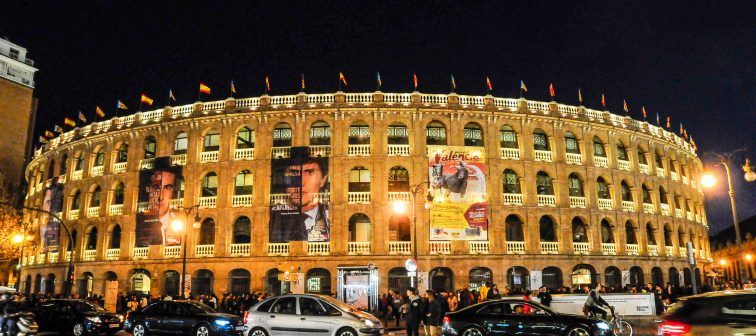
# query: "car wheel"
[[578, 331], [258, 332], [473, 331], [346, 332], [202, 330], [140, 330], [78, 329]]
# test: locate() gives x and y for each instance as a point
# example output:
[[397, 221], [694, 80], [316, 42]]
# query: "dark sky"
[[693, 60]]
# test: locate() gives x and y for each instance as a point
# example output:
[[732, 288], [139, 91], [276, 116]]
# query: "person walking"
[[412, 317], [544, 296], [434, 314]]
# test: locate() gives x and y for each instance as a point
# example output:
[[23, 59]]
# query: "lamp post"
[[708, 180], [179, 224], [401, 207]]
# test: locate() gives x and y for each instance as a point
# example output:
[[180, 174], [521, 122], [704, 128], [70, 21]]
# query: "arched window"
[[122, 155], [621, 152], [646, 195], [359, 180], [115, 238], [399, 228], [650, 234], [207, 232], [551, 278], [630, 237], [674, 277], [359, 228], [627, 195], [479, 276], [63, 165], [140, 280], [150, 147], [272, 282], [547, 229], [91, 239], [99, 157], [171, 280], [398, 281], [584, 274], [78, 161], [397, 134], [508, 137], [118, 193], [511, 182], [320, 134], [51, 169], [318, 281], [672, 166], [441, 279], [571, 143], [659, 160], [242, 231], [579, 231], [398, 179], [681, 238], [518, 279], [602, 189], [75, 200], [667, 235], [575, 186], [607, 235], [642, 156], [473, 134], [544, 185], [240, 279], [657, 277], [612, 278], [282, 135], [243, 183], [86, 283], [359, 133], [211, 142], [540, 140], [435, 133], [598, 147], [514, 229], [96, 197], [209, 185], [662, 196], [181, 143], [202, 282], [245, 138], [636, 276]]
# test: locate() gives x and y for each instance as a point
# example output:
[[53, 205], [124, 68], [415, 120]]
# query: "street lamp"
[[400, 207], [179, 225], [708, 180]]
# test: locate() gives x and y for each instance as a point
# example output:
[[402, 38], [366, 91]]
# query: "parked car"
[[716, 313], [308, 314], [76, 316], [181, 317], [519, 317]]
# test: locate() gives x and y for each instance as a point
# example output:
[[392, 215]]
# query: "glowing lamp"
[[708, 180]]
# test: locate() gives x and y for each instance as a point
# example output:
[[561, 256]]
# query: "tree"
[[11, 219]]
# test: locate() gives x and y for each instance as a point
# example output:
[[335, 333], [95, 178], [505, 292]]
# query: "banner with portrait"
[[49, 232], [158, 186], [458, 185], [299, 198]]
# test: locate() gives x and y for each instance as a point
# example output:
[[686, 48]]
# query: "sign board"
[[536, 280], [410, 265], [422, 282], [625, 304], [625, 278], [296, 282]]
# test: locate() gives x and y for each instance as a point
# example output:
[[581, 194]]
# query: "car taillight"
[[447, 320], [246, 314], [674, 328]]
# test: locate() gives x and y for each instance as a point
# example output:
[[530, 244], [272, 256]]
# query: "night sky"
[[692, 60]]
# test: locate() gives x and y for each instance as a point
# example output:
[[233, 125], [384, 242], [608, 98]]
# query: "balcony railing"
[[479, 247], [542, 155], [280, 152], [206, 157], [89, 255], [669, 251], [358, 197], [660, 172], [241, 201], [515, 247], [623, 165], [574, 159], [40, 258], [512, 199], [549, 248], [403, 196], [648, 208], [358, 248], [605, 204], [141, 252], [632, 249], [113, 254], [207, 250], [510, 153], [673, 175], [400, 247], [119, 167], [318, 248], [440, 247], [279, 198], [244, 154], [67, 256], [628, 206], [52, 257], [577, 202], [77, 175], [239, 250], [147, 163], [93, 212], [172, 251], [177, 203], [547, 200], [278, 249], [398, 150], [116, 209], [643, 168], [581, 248], [178, 159], [608, 249], [653, 250], [358, 150], [320, 151], [97, 171], [73, 214], [207, 202], [664, 209], [683, 252], [678, 213], [600, 161]]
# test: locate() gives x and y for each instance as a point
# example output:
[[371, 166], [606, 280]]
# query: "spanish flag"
[[643, 109], [267, 84], [342, 78], [145, 99], [488, 84], [415, 81], [669, 122], [82, 117], [204, 89], [49, 134], [552, 92], [99, 112], [69, 122], [603, 100], [303, 83], [624, 106], [121, 106], [233, 87], [523, 88]]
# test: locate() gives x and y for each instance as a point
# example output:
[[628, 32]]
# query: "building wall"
[[17, 110]]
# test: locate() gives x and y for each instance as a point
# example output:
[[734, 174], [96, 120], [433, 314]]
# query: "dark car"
[[76, 316], [717, 313], [519, 317], [183, 318]]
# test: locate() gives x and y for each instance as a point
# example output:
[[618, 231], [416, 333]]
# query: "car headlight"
[[222, 322], [368, 323], [120, 317], [95, 319], [603, 325]]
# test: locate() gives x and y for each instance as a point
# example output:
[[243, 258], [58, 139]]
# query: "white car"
[[308, 314]]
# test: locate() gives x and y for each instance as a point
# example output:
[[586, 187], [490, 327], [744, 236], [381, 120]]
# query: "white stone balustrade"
[[669, 251], [664, 209], [358, 197], [178, 159], [678, 213], [77, 175], [280, 152], [240, 250], [73, 214], [67, 256], [653, 250], [623, 165], [643, 168], [89, 255], [608, 249], [683, 252], [628, 206], [207, 250], [358, 150], [320, 151], [318, 248], [278, 249], [574, 159], [177, 203], [632, 249], [510, 153], [241, 201], [440, 247], [660, 172], [648, 208], [600, 161], [119, 167], [547, 200], [605, 204], [141, 252], [244, 154], [479, 247], [581, 248], [673, 175], [116, 209], [113, 254], [279, 198], [147, 163], [577, 202], [402, 196], [173, 251], [515, 247], [549, 248], [93, 212], [206, 157], [398, 150], [690, 215], [207, 202], [400, 247], [358, 248], [52, 257], [512, 199], [542, 155]]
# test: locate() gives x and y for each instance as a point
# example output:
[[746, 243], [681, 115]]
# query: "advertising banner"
[[53, 202], [458, 186], [625, 304], [299, 203], [536, 279], [157, 187]]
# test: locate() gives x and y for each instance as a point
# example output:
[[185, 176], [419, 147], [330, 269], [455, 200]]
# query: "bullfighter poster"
[[157, 187], [458, 186]]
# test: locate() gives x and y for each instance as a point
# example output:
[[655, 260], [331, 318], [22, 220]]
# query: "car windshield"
[[86, 307], [199, 308], [337, 303]]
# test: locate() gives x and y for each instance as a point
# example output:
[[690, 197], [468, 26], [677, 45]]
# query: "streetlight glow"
[[748, 257], [708, 180], [177, 225], [18, 238], [399, 207], [722, 262]]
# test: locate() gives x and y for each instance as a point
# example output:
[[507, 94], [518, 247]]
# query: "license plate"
[[114, 325], [382, 331], [239, 327]]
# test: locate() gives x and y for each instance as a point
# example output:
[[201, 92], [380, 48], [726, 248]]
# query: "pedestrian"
[[452, 301], [412, 316], [434, 314], [544, 296]]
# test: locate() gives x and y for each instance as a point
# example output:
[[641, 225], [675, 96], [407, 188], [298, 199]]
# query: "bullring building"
[[332, 193]]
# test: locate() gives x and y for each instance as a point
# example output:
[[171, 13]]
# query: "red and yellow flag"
[[49, 134], [669, 122], [643, 109], [342, 78], [267, 84], [148, 100], [624, 106], [552, 92], [603, 100], [415, 81], [488, 84], [69, 122], [99, 112], [204, 88]]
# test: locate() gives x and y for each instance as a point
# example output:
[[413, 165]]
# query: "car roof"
[[721, 295]]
